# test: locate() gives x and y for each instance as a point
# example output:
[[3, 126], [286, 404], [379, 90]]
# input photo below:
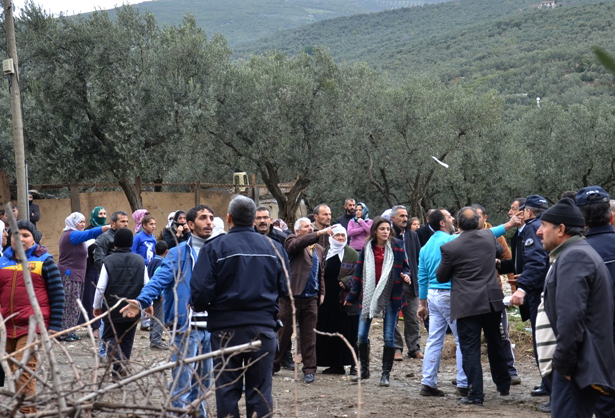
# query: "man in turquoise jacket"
[[435, 301]]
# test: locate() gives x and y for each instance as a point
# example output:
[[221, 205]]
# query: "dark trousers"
[[469, 331], [508, 350], [533, 301], [307, 315], [605, 407], [569, 401], [155, 335], [258, 376], [118, 338], [412, 330]]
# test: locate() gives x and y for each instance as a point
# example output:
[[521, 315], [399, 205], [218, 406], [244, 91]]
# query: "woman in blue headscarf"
[[358, 228]]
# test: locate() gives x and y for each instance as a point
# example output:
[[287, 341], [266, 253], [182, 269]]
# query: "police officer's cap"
[[535, 201], [590, 195]]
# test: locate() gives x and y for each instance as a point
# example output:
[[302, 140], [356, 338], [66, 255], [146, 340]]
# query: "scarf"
[[96, 220], [72, 220], [336, 247], [138, 217], [170, 219], [376, 298], [218, 227], [545, 339], [365, 216]]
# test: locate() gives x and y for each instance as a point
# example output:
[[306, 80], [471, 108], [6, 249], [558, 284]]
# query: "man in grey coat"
[[578, 302], [476, 302]]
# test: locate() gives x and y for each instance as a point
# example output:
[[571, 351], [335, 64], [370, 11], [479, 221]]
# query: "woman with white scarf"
[[73, 258], [380, 272], [333, 316]]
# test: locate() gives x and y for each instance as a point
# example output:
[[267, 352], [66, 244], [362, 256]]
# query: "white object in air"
[[442, 163]]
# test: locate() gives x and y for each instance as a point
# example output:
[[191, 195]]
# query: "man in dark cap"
[[123, 275], [595, 206], [578, 303], [535, 266]]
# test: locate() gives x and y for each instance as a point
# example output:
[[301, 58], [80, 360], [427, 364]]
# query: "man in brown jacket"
[[307, 284]]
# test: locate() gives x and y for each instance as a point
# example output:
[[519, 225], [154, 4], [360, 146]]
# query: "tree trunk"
[[287, 204], [130, 190], [158, 181]]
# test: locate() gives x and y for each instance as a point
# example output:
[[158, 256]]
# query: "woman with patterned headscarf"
[[73, 264], [358, 228], [98, 218], [138, 216], [340, 261]]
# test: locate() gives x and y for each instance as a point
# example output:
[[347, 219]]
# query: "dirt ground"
[[336, 396]]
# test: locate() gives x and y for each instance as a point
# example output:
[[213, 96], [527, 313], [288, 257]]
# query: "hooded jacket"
[[47, 287]]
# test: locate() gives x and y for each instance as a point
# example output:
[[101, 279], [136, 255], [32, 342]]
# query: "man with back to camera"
[[476, 302], [238, 279]]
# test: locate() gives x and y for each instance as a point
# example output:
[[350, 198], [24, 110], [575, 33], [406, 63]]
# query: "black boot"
[[364, 360], [388, 355]]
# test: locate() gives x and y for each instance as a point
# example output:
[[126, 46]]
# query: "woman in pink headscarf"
[[138, 216]]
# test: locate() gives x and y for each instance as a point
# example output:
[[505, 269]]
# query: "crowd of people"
[[214, 289]]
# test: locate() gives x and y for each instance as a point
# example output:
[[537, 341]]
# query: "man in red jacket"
[[14, 300]]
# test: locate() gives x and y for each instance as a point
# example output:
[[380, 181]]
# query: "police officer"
[[535, 267], [594, 204]]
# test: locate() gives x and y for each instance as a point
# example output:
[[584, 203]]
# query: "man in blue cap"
[[531, 281], [594, 204]]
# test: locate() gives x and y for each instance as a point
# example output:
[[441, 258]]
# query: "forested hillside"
[[246, 20], [511, 46]]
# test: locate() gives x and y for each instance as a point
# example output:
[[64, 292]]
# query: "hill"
[[246, 20], [511, 46]]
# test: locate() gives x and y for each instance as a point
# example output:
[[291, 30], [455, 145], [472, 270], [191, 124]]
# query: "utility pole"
[[11, 70]]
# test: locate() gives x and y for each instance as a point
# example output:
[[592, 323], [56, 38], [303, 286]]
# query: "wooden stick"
[[356, 362], [165, 366]]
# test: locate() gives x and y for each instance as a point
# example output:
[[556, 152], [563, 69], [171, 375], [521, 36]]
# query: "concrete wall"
[[160, 204]]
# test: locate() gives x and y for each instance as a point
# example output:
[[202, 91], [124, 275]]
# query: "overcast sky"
[[75, 6]]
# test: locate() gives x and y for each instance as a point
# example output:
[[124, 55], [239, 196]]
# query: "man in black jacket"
[[412, 334], [123, 275], [349, 212], [104, 242], [476, 302], [264, 226], [578, 302], [238, 279], [531, 280], [425, 232]]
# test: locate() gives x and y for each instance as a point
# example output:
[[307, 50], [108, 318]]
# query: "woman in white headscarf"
[[73, 265], [218, 227], [333, 316]]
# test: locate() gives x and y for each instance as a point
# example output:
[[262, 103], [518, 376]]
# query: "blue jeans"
[[101, 344], [439, 301], [388, 329], [191, 380]]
